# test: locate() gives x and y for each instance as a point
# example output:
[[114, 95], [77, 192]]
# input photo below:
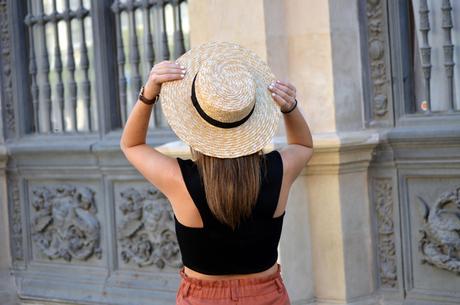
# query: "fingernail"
[[273, 94], [271, 86], [182, 75], [278, 81], [182, 67]]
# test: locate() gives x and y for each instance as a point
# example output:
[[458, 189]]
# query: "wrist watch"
[[146, 100]]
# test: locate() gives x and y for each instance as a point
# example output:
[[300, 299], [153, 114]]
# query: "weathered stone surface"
[[145, 229]]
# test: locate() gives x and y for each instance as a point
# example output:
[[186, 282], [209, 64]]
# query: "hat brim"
[[190, 127]]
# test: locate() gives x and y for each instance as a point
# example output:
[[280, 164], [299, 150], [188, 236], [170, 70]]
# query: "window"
[[71, 55], [434, 74]]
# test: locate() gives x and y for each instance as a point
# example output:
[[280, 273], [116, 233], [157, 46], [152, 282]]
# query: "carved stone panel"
[[145, 229], [384, 207], [15, 218], [377, 44], [6, 73], [440, 233], [64, 222], [434, 237]]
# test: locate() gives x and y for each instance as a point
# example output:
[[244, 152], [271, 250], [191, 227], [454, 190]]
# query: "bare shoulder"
[[159, 169], [295, 157]]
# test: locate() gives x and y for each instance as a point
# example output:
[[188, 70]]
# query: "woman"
[[230, 200]]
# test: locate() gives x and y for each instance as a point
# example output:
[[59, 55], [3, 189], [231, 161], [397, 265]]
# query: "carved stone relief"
[[440, 232], [64, 223], [376, 44], [386, 240], [6, 77], [15, 214], [146, 229]]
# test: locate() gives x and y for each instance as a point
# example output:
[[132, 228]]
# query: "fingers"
[[286, 87], [161, 78], [172, 70], [167, 64], [287, 84], [280, 101], [167, 71], [283, 93]]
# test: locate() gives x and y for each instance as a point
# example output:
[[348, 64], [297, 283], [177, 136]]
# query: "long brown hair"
[[231, 185]]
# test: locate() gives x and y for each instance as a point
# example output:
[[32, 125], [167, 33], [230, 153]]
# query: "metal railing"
[[436, 77], [61, 58], [160, 28], [50, 29]]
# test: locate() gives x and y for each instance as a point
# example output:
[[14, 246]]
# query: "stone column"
[[325, 63], [7, 289], [326, 248]]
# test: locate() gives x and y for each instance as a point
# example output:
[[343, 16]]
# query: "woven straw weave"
[[230, 79]]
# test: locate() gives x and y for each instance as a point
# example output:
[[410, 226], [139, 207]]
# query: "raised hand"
[[162, 72], [284, 94]]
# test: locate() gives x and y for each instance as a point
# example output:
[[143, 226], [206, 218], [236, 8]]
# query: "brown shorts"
[[255, 291]]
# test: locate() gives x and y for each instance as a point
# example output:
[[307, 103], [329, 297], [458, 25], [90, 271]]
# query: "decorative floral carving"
[[146, 229], [386, 245], [16, 223], [7, 80], [440, 233], [64, 223], [376, 44]]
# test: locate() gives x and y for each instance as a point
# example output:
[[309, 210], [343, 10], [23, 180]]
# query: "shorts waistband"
[[233, 288], [226, 282]]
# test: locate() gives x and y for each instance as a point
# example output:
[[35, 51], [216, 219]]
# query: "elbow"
[[308, 145], [122, 146]]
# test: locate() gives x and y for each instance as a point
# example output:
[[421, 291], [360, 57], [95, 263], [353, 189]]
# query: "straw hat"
[[222, 107]]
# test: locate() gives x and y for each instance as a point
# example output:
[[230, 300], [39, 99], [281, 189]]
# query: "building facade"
[[373, 219]]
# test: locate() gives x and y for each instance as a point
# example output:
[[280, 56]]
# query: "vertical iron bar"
[[30, 21], [45, 68], [82, 12], [116, 8], [58, 66], [104, 35], [148, 39], [425, 49], [179, 48], [134, 51], [68, 15], [448, 48], [164, 34]]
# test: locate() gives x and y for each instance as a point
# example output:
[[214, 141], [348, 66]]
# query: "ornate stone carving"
[[440, 233], [16, 223], [6, 83], [146, 230], [376, 44], [64, 223], [386, 244]]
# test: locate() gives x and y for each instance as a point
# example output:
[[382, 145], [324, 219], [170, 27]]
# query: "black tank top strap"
[[195, 187]]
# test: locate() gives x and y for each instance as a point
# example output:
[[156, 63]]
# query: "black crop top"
[[215, 249]]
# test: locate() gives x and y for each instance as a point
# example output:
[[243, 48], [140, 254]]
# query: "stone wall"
[[372, 219]]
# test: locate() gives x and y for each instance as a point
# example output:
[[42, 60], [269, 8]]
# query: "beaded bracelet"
[[293, 107]]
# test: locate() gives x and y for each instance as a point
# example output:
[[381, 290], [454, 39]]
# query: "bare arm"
[[300, 143], [161, 170]]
